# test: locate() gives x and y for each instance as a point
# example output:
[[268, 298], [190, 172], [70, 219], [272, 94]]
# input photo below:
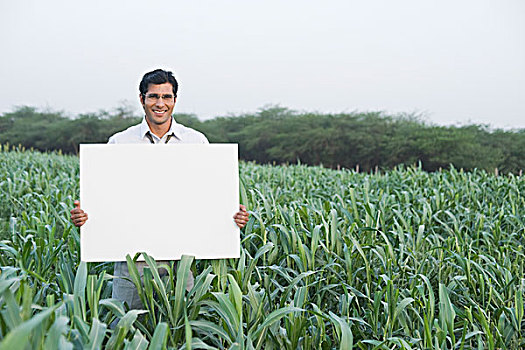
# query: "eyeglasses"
[[165, 97]]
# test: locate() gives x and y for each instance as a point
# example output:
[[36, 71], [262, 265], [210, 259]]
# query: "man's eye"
[[167, 97], [153, 96]]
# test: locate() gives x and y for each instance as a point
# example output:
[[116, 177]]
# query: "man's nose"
[[160, 102]]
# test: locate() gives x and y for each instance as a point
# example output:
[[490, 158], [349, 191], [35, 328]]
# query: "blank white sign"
[[167, 200]]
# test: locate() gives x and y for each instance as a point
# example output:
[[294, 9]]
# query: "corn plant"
[[402, 259]]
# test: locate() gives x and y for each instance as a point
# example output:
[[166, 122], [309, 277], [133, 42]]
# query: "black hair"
[[158, 76]]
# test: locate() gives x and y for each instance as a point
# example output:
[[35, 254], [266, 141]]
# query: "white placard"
[[167, 200]]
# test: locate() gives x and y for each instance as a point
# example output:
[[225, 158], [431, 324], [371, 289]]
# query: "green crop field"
[[402, 259]]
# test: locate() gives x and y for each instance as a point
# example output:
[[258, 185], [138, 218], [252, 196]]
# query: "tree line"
[[368, 140]]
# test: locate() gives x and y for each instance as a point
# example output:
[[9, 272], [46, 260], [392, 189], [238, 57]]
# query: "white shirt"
[[138, 134]]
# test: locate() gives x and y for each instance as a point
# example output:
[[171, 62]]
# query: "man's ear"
[[141, 97]]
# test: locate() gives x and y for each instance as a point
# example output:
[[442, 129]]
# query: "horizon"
[[421, 118]]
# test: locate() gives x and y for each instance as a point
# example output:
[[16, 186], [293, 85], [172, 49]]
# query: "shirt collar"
[[174, 129]]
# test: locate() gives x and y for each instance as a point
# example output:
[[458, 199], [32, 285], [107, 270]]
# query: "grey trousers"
[[126, 291]]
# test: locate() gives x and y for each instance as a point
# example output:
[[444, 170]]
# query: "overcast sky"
[[454, 62]]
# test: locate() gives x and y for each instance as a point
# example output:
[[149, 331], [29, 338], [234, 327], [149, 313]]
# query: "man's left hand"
[[241, 217]]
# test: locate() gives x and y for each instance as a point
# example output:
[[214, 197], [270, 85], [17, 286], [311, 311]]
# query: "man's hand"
[[78, 216], [241, 217]]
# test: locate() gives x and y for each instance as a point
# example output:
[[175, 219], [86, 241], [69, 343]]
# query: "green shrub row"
[[277, 135]]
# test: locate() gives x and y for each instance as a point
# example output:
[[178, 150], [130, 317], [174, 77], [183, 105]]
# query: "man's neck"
[[159, 130]]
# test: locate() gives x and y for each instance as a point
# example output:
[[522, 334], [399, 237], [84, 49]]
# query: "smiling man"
[[158, 93]]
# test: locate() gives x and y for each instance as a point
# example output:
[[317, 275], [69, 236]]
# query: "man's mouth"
[[159, 112]]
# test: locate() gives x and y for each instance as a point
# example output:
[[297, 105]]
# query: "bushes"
[[280, 135]]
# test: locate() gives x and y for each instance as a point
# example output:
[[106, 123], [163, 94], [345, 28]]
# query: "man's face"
[[157, 103]]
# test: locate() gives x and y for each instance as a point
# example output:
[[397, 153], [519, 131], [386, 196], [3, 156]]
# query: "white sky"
[[453, 61]]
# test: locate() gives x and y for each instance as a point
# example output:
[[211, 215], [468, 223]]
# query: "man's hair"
[[158, 76]]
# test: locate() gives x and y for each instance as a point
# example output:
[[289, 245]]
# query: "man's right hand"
[[78, 216]]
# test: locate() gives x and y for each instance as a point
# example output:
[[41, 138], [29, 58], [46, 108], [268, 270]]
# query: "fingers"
[[78, 216], [241, 217], [79, 219]]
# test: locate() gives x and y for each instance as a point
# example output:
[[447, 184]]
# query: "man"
[[158, 93]]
